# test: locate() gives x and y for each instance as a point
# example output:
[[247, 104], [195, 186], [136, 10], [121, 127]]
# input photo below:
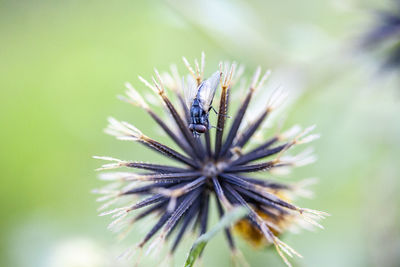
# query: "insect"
[[199, 101], [279, 220]]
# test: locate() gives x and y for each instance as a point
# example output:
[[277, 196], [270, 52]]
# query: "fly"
[[199, 100]]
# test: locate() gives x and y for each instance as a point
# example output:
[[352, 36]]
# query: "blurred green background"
[[63, 62]]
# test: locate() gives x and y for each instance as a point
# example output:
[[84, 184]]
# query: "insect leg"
[[212, 126], [225, 115]]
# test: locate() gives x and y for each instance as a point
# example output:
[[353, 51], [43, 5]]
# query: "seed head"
[[384, 36], [220, 165]]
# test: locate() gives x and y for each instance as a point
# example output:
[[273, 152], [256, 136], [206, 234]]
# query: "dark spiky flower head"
[[384, 37], [220, 165]]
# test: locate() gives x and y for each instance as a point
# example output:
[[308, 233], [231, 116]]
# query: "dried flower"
[[384, 37], [221, 168]]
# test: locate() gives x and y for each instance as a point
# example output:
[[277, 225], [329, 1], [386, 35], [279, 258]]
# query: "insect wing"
[[207, 90], [189, 90]]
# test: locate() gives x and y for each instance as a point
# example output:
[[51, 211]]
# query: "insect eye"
[[200, 128]]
